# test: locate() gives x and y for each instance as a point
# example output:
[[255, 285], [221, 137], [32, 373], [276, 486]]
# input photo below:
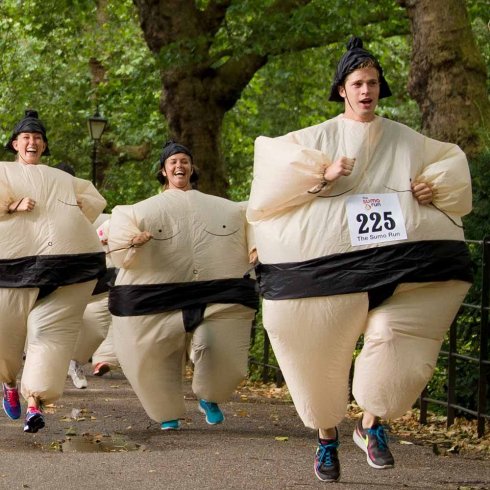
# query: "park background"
[[215, 74]]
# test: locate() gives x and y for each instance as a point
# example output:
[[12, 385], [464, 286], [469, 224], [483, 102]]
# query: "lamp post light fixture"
[[96, 126]]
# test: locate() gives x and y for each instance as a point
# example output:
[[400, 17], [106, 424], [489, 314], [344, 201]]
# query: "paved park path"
[[101, 439]]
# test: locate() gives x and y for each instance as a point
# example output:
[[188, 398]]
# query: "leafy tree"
[[207, 53], [49, 51]]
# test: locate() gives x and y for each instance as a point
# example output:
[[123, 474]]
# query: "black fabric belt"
[[148, 299], [366, 270], [105, 281], [51, 271]]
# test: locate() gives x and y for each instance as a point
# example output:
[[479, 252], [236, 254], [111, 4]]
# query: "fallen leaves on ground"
[[253, 390], [460, 438]]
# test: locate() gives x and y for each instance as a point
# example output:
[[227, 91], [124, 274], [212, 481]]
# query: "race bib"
[[375, 218]]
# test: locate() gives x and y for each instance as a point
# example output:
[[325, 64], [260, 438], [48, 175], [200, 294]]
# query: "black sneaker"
[[34, 420], [374, 443], [327, 465]]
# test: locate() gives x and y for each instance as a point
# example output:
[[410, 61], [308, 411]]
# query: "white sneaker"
[[77, 375]]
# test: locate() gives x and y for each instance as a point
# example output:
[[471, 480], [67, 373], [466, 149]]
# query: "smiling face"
[[178, 170], [361, 94], [29, 147]]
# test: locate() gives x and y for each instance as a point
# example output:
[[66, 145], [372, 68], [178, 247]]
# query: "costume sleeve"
[[6, 198], [446, 168], [92, 203], [249, 230], [284, 172], [122, 229]]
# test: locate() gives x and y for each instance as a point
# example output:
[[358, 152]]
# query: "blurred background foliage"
[[47, 48]]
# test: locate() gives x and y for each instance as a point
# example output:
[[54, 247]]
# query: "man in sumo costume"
[[182, 256], [50, 261], [358, 231]]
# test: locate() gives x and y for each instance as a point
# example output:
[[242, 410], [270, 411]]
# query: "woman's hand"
[[24, 204], [141, 238]]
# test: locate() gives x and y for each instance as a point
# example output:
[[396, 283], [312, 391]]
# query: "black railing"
[[479, 360], [263, 361]]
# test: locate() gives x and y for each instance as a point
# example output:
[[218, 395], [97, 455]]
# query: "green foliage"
[[477, 224], [291, 92], [46, 47]]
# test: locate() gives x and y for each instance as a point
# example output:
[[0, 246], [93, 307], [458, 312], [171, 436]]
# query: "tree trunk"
[[199, 86], [195, 120], [447, 75], [207, 59]]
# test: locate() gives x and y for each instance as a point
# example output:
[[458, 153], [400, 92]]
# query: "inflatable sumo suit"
[[95, 338], [358, 256], [50, 261], [188, 279]]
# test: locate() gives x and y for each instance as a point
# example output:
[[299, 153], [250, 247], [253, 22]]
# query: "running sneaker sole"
[[170, 427], [322, 478]]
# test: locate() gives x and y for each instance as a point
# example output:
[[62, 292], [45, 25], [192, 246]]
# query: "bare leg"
[[330, 433]]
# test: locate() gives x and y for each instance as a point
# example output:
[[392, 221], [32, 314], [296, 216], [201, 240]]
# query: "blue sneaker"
[[327, 465], [34, 420], [11, 402], [213, 413], [170, 425]]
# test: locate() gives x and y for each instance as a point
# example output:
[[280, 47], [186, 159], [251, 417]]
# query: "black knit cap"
[[350, 61], [171, 148], [29, 124]]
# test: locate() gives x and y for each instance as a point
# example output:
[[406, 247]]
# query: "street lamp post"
[[96, 126]]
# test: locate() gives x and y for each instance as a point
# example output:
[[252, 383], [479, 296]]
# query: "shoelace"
[[11, 398], [325, 452], [380, 435]]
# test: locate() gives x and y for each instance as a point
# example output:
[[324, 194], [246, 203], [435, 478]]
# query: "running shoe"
[[34, 420], [11, 402], [327, 465], [77, 375], [170, 425], [374, 443], [213, 413], [101, 368]]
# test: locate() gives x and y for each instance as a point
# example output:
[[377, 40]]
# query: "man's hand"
[[341, 167], [141, 238], [422, 192]]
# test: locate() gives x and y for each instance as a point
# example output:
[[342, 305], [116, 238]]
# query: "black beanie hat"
[[354, 57], [171, 148], [29, 124]]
